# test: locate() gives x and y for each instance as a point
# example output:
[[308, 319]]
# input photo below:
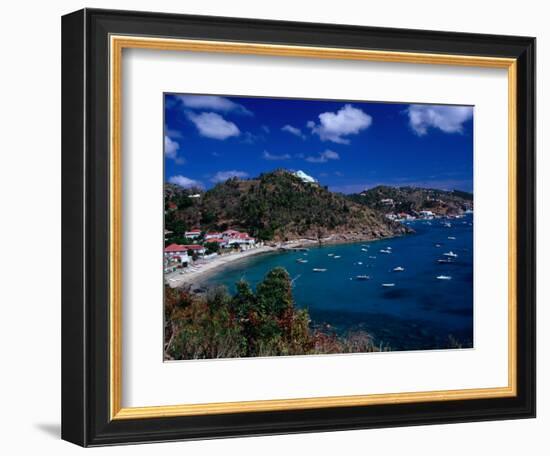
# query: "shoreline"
[[194, 274], [335, 240]]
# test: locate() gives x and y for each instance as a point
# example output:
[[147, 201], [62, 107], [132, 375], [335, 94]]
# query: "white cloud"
[[212, 103], [267, 156], [184, 182], [449, 119], [222, 176], [323, 157], [294, 131], [170, 148], [212, 125], [335, 126]]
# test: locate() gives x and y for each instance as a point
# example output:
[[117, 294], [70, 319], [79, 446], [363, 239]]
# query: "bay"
[[418, 312]]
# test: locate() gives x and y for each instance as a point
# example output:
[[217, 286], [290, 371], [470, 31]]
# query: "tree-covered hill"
[[413, 199], [276, 206]]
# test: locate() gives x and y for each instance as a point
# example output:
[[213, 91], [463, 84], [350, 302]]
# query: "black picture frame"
[[85, 224]]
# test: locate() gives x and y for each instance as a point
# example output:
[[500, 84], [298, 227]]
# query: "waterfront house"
[[176, 255], [404, 216], [195, 249], [242, 240], [426, 214]]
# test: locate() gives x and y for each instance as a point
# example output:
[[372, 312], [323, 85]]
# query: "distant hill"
[[276, 206], [413, 199]]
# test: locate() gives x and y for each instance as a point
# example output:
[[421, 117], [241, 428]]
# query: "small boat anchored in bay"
[[319, 269], [398, 269], [445, 261], [443, 277], [450, 254]]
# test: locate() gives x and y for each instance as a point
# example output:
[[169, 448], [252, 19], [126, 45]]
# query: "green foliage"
[[261, 323], [274, 294], [178, 227]]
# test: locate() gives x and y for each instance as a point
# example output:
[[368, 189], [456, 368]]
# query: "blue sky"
[[346, 145]]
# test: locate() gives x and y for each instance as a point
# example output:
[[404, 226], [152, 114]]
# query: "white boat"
[[452, 238], [362, 277], [450, 254], [331, 254], [301, 260], [387, 285], [443, 277], [447, 225], [365, 250], [445, 261], [319, 269], [385, 251], [336, 256], [372, 257], [398, 269], [359, 262]]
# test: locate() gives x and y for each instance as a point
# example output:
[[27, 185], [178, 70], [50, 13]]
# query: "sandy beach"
[[199, 270]]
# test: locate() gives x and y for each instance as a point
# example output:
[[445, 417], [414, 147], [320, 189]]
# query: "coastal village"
[[183, 259]]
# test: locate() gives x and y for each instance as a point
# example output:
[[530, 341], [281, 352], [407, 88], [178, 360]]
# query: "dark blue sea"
[[419, 312]]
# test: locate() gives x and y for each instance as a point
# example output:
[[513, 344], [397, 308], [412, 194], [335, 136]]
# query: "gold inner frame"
[[117, 44]]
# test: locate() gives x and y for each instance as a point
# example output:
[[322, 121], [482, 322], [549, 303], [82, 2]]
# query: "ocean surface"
[[419, 312]]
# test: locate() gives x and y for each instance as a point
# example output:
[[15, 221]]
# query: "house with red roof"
[[175, 256], [218, 240], [193, 234], [242, 240], [195, 248], [230, 233]]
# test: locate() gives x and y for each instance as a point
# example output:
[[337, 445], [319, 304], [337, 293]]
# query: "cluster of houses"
[[177, 255], [404, 216]]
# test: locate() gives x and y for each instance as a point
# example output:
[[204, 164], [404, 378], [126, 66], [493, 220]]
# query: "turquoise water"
[[418, 312]]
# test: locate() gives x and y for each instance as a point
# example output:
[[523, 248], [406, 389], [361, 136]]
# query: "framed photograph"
[[277, 227]]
